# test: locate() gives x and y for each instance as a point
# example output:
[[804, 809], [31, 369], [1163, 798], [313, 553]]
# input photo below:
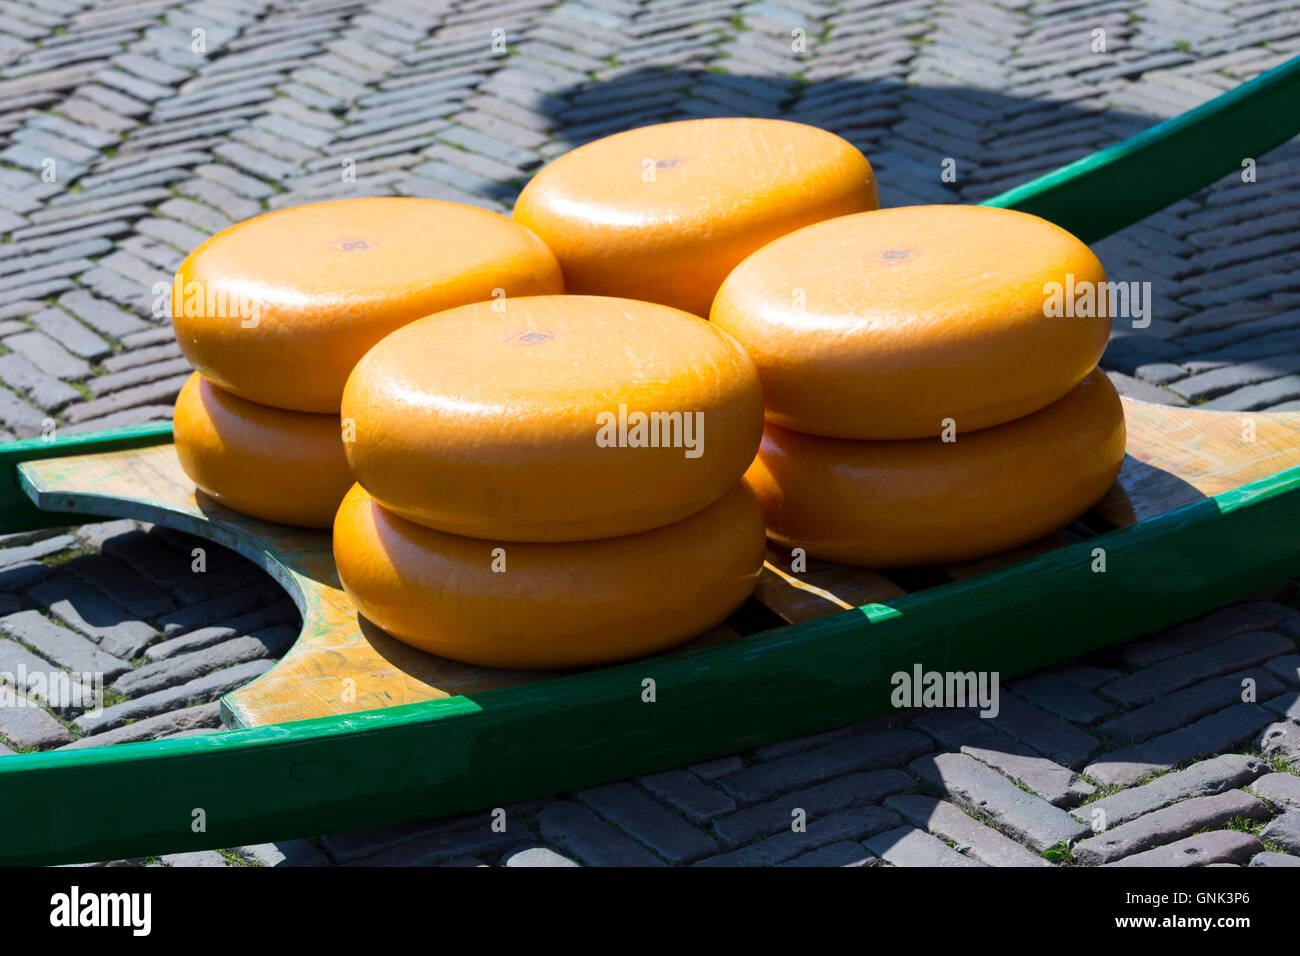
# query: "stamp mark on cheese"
[[893, 257], [353, 244], [530, 337]]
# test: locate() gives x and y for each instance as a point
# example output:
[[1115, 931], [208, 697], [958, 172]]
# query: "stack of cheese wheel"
[[663, 213], [551, 482], [275, 312], [930, 381]]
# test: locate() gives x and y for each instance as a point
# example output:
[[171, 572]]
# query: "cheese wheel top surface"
[[553, 418], [549, 605], [278, 309], [928, 501], [884, 324], [270, 463], [663, 213]]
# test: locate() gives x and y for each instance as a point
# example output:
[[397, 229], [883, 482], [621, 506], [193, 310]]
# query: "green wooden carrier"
[[1204, 513]]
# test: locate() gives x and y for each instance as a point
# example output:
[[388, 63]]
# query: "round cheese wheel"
[[663, 213], [548, 605], [927, 501], [266, 462], [556, 418], [279, 308], [886, 324]]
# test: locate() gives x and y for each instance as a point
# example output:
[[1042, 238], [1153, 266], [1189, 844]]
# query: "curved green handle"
[[1108, 190]]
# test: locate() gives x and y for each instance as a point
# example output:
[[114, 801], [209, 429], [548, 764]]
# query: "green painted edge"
[[17, 512], [1115, 187], [425, 760]]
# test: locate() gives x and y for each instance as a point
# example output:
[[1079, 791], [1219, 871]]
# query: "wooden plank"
[[822, 588], [1177, 456]]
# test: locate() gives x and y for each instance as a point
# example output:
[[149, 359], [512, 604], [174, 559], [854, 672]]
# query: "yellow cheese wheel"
[[546, 605], [557, 418], [927, 501], [261, 461], [883, 325], [663, 213], [279, 308]]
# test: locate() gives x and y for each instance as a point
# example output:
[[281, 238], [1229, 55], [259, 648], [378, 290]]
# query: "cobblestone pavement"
[[134, 130]]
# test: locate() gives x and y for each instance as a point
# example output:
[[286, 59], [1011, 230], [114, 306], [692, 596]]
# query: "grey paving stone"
[[1286, 667], [1243, 650], [1280, 789], [1168, 825], [1283, 831], [283, 853], [1204, 631], [201, 690], [688, 795], [1160, 373], [1213, 734], [1263, 395], [447, 844], [1274, 859], [867, 751], [279, 612], [61, 646], [103, 316], [26, 724], [216, 581], [124, 586], [1048, 734], [1208, 385], [784, 748], [186, 667], [1182, 707], [1281, 740], [720, 767], [536, 856], [21, 554], [649, 822], [908, 846], [1286, 706], [85, 609], [21, 669], [854, 789], [577, 830], [218, 609], [1203, 849], [99, 535], [194, 858], [193, 641], [350, 845], [981, 789], [978, 737], [1206, 778], [856, 823], [953, 825], [1059, 696], [164, 725], [844, 853]]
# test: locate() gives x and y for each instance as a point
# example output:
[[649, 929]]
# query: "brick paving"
[[131, 131]]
